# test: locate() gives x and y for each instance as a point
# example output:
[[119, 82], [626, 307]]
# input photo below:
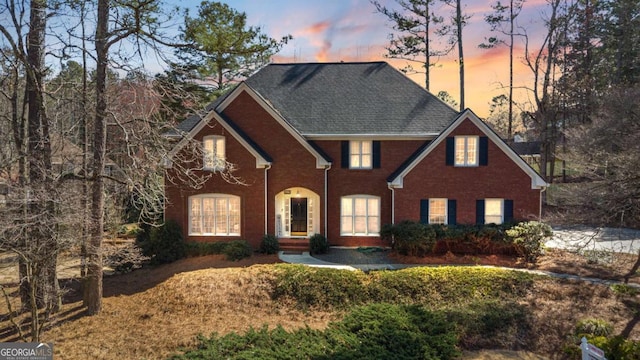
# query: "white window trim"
[[466, 162], [360, 154], [446, 210], [213, 196], [501, 211], [352, 216], [219, 162]]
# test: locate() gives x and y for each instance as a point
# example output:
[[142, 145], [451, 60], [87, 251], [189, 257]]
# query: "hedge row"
[[333, 288], [416, 239]]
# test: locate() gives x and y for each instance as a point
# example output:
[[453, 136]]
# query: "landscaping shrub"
[[269, 244], [529, 238], [237, 250], [319, 286], [124, 259], [318, 244], [386, 331], [164, 243], [423, 285], [379, 331], [410, 238], [205, 248], [595, 327]]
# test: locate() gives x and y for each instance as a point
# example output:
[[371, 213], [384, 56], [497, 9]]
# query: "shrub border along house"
[[412, 238]]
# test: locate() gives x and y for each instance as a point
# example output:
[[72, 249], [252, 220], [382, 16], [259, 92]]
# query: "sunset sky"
[[351, 30]]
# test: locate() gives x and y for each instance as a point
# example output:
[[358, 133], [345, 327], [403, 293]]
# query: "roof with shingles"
[[368, 98]]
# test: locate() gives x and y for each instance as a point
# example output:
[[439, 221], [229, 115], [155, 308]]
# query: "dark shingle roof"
[[190, 122], [350, 98], [526, 148]]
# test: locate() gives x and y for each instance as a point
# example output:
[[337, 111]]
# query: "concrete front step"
[[294, 244]]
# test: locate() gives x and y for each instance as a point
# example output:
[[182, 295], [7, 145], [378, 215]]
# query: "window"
[[437, 211], [360, 154], [360, 215], [214, 214], [466, 151], [214, 153], [493, 211]]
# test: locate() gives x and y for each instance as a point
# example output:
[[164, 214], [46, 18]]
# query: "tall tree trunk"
[[459, 24], [93, 292], [427, 50], [84, 138], [510, 119], [40, 202]]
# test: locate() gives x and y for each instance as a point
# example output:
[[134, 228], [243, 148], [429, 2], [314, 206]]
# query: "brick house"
[[341, 149]]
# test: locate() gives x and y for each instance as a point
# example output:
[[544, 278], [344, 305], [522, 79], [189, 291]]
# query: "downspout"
[[266, 200], [393, 204], [540, 207], [326, 190]]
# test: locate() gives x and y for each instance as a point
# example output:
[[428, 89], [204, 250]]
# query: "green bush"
[[269, 244], [318, 244], [410, 238], [237, 250], [205, 248], [379, 331], [529, 239], [164, 243], [595, 327], [323, 287], [386, 331]]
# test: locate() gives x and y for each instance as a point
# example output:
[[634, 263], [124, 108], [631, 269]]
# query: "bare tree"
[[497, 21], [543, 65]]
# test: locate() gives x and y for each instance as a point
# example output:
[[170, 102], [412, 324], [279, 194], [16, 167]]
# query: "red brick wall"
[[502, 178], [293, 165], [251, 195], [344, 182]]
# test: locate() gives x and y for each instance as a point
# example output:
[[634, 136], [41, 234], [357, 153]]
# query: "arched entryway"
[[297, 213]]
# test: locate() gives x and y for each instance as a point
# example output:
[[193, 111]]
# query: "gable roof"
[[342, 99], [396, 180]]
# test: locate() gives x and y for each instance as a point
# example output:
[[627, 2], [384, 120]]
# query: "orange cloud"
[[316, 28]]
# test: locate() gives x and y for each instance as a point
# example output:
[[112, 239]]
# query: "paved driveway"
[[590, 238]]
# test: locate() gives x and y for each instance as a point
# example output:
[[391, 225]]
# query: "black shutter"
[[484, 151], [508, 211], [345, 155], [376, 154], [480, 212], [424, 211], [450, 151], [451, 212]]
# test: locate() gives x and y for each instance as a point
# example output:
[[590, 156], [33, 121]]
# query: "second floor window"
[[360, 154], [214, 153], [466, 151]]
